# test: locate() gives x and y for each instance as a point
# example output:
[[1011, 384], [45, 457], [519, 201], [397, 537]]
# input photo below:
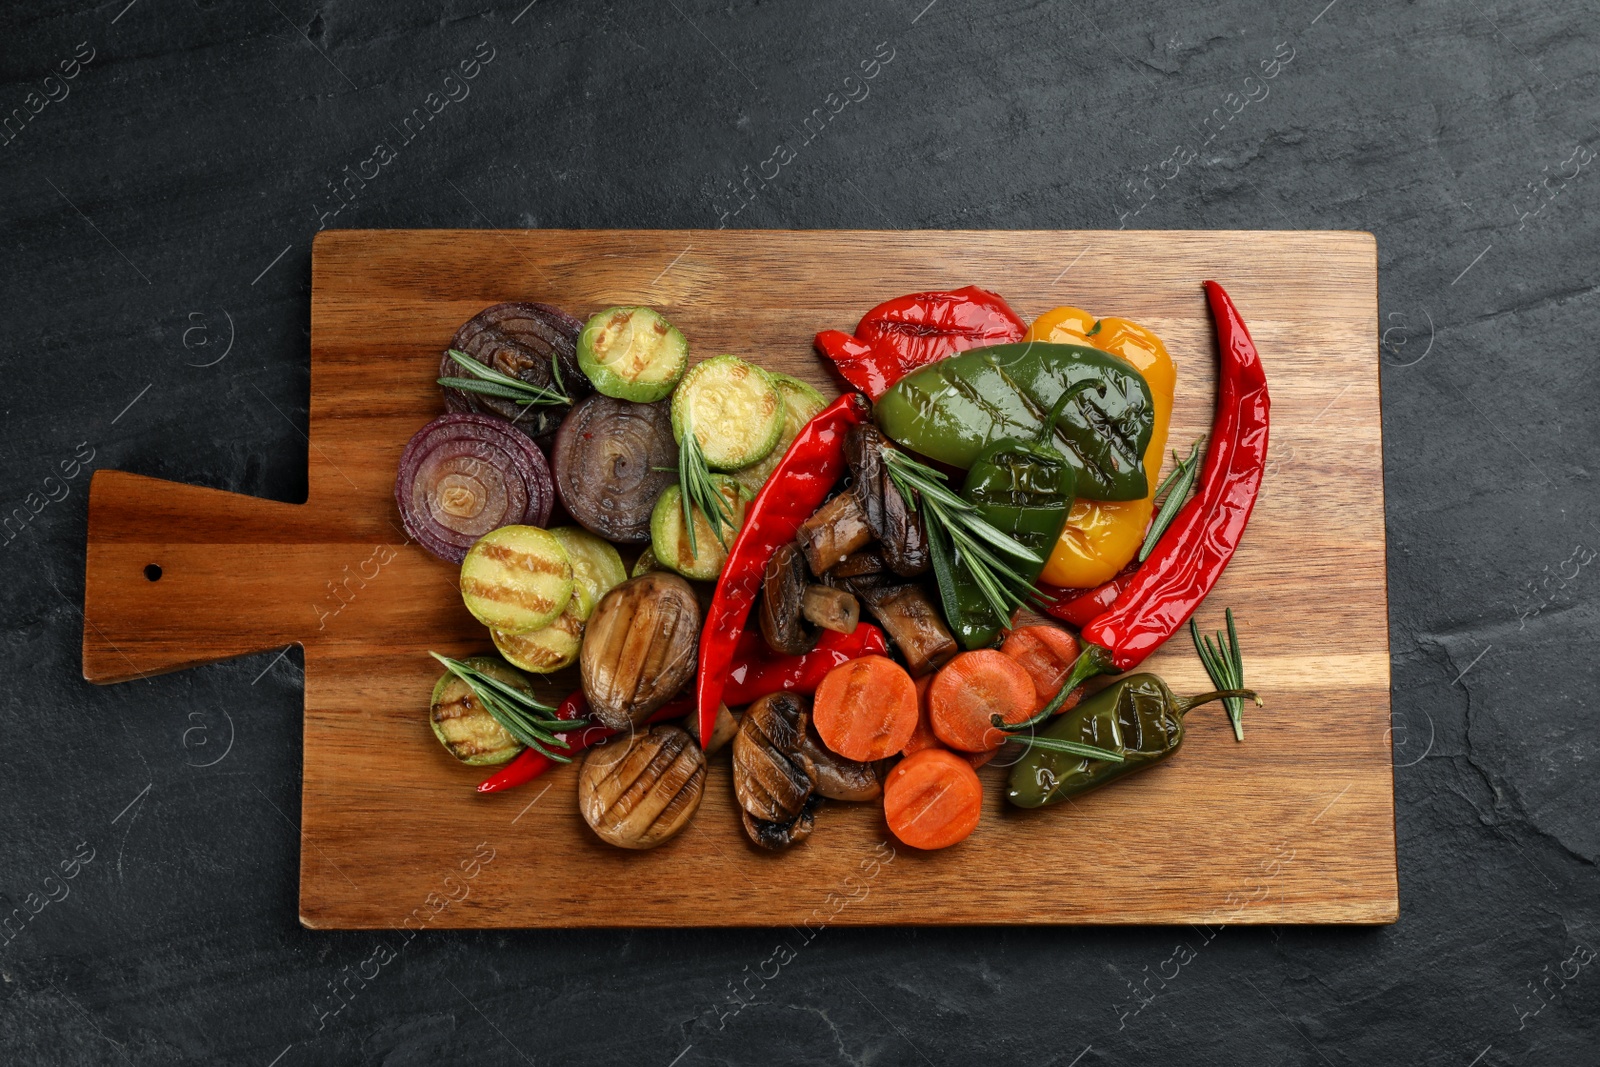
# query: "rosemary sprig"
[[490, 382], [530, 721], [698, 492], [1179, 480], [976, 543], [1226, 668], [1071, 748]]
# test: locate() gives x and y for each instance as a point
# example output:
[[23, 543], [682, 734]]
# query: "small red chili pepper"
[[757, 671], [799, 484], [908, 332], [1080, 606], [1171, 583], [532, 763]]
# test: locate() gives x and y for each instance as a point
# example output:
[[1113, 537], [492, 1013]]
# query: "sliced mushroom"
[[912, 622], [722, 731], [903, 538], [838, 778], [831, 609], [837, 529], [777, 836], [783, 590], [770, 777], [640, 793], [868, 561], [639, 648]]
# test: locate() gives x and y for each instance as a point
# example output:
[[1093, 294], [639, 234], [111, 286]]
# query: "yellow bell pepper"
[[1102, 536]]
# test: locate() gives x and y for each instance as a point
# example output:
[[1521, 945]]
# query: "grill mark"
[[515, 559], [527, 599]]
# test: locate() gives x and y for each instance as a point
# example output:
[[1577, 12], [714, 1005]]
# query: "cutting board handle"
[[179, 575]]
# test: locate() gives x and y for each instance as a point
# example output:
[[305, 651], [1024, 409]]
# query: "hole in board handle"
[[152, 571]]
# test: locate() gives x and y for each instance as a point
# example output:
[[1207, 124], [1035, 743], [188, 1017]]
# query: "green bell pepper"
[[1136, 715], [1024, 489], [953, 410]]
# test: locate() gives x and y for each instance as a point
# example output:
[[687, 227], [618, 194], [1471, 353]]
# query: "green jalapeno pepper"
[[1024, 488], [953, 410], [1137, 716]]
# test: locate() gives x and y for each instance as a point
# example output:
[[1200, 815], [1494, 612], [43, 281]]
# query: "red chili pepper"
[[1080, 606], [901, 335], [757, 671], [532, 763], [1171, 583], [799, 484]]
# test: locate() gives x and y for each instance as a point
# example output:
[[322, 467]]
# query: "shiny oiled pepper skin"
[[1024, 489], [953, 410], [1100, 537], [1137, 716]]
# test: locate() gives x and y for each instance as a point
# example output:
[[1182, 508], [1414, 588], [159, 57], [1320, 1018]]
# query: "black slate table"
[[165, 165]]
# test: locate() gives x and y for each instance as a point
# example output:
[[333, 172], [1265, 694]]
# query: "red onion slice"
[[464, 475], [612, 459], [519, 339]]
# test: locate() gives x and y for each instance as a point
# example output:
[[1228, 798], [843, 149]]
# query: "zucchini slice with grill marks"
[[669, 538], [734, 408], [632, 353], [800, 405], [463, 726], [516, 579], [596, 567], [549, 648]]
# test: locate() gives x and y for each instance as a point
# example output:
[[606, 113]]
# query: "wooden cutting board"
[[1294, 825]]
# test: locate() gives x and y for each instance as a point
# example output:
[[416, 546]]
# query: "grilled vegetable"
[[902, 536], [612, 459], [596, 566], [670, 539], [639, 648], [642, 792], [770, 777], [838, 778], [463, 726], [836, 531], [632, 353], [516, 579], [646, 563], [800, 405], [912, 623], [722, 732], [461, 476], [777, 836], [780, 612], [534, 343], [549, 648], [954, 409], [733, 408]]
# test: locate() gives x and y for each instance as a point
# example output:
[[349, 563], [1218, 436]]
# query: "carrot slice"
[[932, 799], [979, 759], [1047, 654], [866, 709], [923, 736], [972, 687]]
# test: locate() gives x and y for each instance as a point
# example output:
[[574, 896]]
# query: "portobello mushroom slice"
[[639, 648], [837, 529], [867, 561], [783, 591], [770, 777], [643, 792], [902, 536], [838, 778], [912, 621], [777, 836]]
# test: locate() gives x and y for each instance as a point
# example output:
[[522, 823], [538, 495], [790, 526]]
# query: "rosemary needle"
[[1179, 481], [1225, 665], [487, 381]]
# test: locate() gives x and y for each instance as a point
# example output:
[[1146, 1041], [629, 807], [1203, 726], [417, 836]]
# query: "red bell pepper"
[[908, 332], [799, 484], [757, 671]]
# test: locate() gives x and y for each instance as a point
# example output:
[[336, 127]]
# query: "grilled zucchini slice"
[[735, 409], [517, 579]]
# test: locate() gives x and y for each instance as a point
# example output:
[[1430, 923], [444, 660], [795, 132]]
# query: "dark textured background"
[[143, 212]]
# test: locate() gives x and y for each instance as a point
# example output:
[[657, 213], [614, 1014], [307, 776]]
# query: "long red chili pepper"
[[757, 671], [901, 335], [799, 484], [1190, 556], [532, 763]]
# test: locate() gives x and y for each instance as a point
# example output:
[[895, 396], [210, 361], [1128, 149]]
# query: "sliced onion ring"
[[612, 459], [464, 475]]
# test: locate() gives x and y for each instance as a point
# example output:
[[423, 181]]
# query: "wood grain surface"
[[1295, 825]]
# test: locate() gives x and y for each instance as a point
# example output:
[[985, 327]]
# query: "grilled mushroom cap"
[[777, 836], [838, 778], [639, 648], [836, 530], [783, 590], [904, 539], [639, 794], [770, 776], [912, 621]]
